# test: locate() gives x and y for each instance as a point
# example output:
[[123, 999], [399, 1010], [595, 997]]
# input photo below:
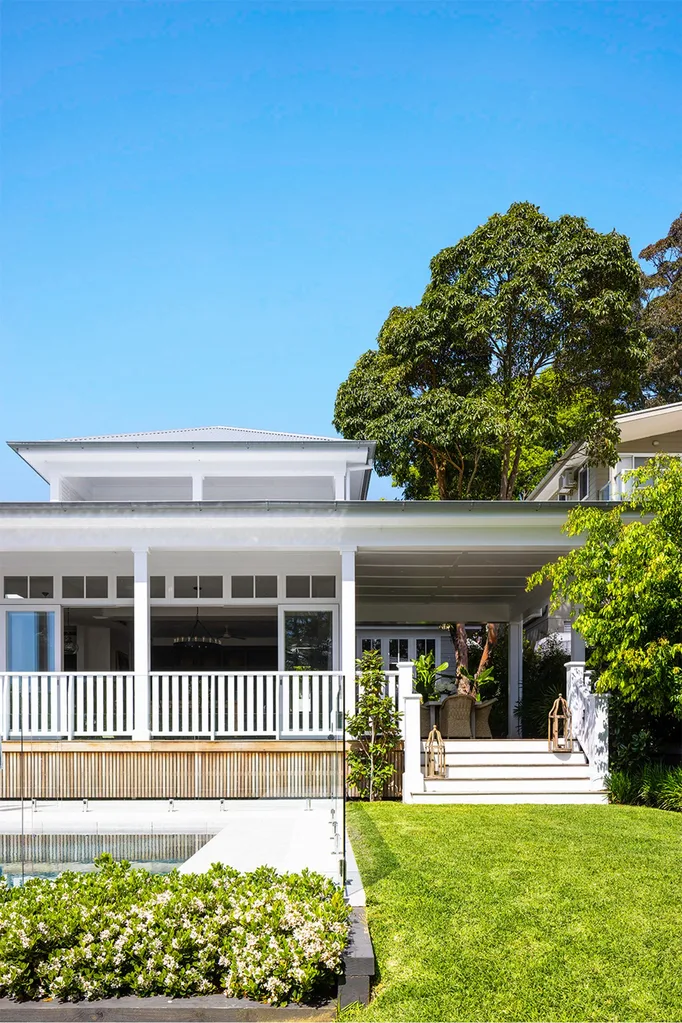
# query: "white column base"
[[413, 776]]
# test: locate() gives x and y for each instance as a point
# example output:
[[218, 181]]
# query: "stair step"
[[436, 798], [501, 785], [529, 771], [511, 760], [479, 746]]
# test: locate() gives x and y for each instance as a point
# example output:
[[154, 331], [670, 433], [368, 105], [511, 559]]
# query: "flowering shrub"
[[118, 931]]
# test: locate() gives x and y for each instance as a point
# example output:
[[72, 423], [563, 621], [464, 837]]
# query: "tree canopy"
[[627, 580], [662, 317], [525, 339]]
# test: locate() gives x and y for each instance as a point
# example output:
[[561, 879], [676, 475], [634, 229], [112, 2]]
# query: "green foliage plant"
[[544, 679], [654, 785], [525, 340], [121, 931], [375, 727], [426, 674], [626, 579]]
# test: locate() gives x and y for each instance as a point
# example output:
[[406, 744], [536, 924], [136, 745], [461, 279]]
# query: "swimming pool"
[[26, 856]]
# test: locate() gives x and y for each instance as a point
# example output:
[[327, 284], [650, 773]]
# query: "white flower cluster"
[[270, 937]]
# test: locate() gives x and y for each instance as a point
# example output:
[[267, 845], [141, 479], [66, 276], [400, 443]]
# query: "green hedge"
[[652, 785], [118, 931]]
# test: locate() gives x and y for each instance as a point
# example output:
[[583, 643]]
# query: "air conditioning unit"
[[568, 481]]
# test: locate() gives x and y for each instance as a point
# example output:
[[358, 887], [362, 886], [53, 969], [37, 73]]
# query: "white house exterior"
[[216, 586], [643, 434]]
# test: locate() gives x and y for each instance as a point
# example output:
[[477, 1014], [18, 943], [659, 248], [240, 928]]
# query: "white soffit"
[[650, 422]]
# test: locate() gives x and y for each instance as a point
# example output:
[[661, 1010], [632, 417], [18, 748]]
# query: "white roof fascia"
[[650, 422], [260, 454]]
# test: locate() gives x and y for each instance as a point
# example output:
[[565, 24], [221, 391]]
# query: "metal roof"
[[198, 433]]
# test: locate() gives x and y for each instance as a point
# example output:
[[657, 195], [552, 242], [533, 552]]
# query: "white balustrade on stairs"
[[590, 719]]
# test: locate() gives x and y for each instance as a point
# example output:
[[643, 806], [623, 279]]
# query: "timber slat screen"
[[162, 770]]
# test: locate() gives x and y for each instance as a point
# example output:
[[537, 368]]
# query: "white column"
[[577, 646], [340, 487], [197, 487], [141, 640], [413, 776], [515, 676], [405, 686], [348, 653]]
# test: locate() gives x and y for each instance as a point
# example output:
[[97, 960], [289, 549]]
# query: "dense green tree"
[[524, 341], [662, 317], [626, 578]]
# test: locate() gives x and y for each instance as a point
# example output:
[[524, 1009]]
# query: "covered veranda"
[[328, 574]]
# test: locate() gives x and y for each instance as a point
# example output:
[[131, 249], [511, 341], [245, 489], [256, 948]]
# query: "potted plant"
[[426, 675]]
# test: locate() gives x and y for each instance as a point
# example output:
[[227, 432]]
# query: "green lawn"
[[522, 912]]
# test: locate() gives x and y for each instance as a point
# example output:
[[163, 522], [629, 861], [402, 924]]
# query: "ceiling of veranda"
[[448, 576]]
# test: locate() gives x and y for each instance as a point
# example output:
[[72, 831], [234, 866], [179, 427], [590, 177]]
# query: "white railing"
[[189, 705], [391, 687], [590, 719], [46, 705], [274, 704]]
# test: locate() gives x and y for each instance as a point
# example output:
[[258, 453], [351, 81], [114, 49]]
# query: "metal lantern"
[[435, 755], [560, 727]]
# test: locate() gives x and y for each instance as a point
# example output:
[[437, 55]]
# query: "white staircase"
[[510, 771]]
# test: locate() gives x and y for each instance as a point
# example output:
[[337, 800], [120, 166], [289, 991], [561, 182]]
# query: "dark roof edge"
[[344, 507], [190, 444]]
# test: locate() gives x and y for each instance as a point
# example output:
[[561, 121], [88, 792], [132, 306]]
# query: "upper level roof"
[[201, 463], [198, 433]]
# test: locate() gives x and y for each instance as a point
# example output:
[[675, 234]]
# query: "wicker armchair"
[[425, 725], [481, 719], [455, 716]]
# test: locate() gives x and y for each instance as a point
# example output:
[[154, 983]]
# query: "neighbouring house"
[[643, 433], [183, 617]]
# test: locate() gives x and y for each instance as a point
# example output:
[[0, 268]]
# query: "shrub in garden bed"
[[119, 931], [652, 785]]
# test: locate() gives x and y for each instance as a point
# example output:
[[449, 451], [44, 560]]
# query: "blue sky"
[[210, 208]]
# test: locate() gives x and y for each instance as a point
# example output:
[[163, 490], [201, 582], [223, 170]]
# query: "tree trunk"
[[490, 642], [371, 767], [459, 639]]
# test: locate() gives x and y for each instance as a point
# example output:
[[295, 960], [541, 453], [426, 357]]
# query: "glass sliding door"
[[308, 639], [31, 640]]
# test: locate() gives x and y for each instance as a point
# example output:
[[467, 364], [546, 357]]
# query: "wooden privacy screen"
[[176, 770]]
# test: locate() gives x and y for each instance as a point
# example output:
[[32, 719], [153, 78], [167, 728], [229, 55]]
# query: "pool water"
[[23, 857]]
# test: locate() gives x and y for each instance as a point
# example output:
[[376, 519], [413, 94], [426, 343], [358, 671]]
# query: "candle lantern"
[[435, 755], [560, 727]]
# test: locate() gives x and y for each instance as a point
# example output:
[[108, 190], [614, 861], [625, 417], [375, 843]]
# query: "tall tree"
[[662, 317], [525, 339]]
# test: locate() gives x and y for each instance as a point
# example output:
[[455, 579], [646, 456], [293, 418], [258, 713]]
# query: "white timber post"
[[405, 687], [515, 677], [599, 761], [340, 487], [141, 639], [413, 776], [577, 646], [348, 655], [197, 487]]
